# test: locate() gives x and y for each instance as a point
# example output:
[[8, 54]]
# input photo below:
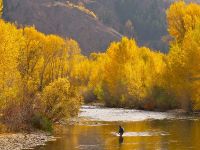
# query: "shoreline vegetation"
[[45, 78]]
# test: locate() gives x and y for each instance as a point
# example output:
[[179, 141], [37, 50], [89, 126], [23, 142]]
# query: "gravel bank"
[[96, 113], [21, 141]]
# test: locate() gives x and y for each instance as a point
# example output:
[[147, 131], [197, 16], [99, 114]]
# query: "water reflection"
[[145, 135], [121, 140]]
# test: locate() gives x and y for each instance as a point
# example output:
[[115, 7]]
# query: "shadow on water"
[[121, 140]]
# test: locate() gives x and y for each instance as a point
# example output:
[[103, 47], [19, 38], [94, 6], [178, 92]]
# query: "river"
[[144, 130]]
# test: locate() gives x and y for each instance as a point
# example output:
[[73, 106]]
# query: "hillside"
[[145, 20], [65, 19], [95, 23]]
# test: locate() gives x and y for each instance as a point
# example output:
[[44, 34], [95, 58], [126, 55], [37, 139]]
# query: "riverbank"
[[19, 141], [90, 115], [96, 128], [100, 113]]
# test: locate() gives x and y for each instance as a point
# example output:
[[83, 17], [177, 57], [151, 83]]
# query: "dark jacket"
[[121, 131]]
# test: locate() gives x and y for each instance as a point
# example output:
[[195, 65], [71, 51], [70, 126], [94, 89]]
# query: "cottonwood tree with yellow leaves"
[[128, 79], [10, 44], [30, 61], [183, 58], [182, 18]]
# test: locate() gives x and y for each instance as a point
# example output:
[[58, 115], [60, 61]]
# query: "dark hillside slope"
[[145, 20], [95, 23], [64, 19]]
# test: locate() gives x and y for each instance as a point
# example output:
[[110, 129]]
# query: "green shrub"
[[42, 123], [163, 99]]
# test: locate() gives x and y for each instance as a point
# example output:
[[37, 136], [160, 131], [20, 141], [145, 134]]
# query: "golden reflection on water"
[[145, 135]]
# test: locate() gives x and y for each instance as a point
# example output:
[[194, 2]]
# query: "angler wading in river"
[[121, 131]]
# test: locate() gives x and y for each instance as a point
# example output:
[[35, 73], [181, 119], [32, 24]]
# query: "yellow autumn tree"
[[97, 63], [76, 62], [10, 44], [182, 17], [128, 78], [54, 55], [183, 59], [115, 82], [30, 61], [60, 100], [183, 63], [30, 58]]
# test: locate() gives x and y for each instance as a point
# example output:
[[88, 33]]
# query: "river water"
[[144, 130]]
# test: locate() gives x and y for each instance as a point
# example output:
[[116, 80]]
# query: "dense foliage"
[[183, 59], [30, 65], [127, 75], [42, 77], [60, 101]]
